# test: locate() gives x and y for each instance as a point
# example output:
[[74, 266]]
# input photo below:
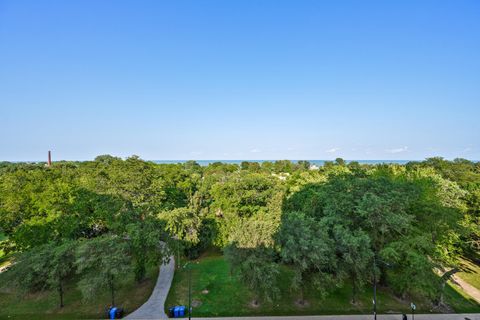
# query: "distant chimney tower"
[[49, 158]]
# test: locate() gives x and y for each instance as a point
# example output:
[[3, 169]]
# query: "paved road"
[[153, 308], [362, 317]]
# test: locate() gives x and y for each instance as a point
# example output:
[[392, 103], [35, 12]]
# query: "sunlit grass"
[[470, 273]]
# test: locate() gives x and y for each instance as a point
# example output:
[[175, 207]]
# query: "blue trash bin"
[[176, 312], [113, 312], [181, 311]]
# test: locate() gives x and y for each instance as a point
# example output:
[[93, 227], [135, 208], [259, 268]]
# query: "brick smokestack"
[[49, 158]]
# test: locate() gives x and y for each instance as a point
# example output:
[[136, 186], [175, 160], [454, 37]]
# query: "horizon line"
[[252, 160]]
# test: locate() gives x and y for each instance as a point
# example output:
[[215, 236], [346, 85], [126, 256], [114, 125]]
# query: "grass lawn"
[[470, 273], [227, 296], [44, 305], [459, 300]]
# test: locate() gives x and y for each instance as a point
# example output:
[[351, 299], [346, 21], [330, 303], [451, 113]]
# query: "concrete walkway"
[[154, 307], [362, 317]]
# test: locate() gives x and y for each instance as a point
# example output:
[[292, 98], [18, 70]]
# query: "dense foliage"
[[93, 221]]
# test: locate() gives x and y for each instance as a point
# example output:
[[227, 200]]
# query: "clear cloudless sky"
[[240, 79]]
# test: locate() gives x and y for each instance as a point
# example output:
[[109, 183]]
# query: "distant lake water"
[[314, 162]]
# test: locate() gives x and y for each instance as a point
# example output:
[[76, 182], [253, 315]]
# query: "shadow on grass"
[[218, 293]]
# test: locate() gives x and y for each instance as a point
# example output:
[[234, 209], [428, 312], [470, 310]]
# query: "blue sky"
[[243, 79]]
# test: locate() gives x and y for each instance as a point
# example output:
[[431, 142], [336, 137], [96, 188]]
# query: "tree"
[[383, 213], [250, 166], [101, 262], [146, 245], [49, 204], [184, 224], [340, 162], [45, 267], [256, 269], [251, 253], [283, 166], [29, 272], [303, 165], [466, 175], [242, 196], [307, 247], [355, 255], [61, 266], [142, 191], [411, 266]]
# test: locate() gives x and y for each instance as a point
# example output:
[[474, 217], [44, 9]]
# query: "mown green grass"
[[44, 305], [227, 296], [470, 273]]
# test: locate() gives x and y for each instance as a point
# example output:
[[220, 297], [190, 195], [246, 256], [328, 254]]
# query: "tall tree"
[[101, 262], [355, 256], [307, 247], [45, 267], [256, 268], [140, 186]]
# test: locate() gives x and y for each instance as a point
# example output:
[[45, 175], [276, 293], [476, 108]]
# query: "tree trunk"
[[140, 268], [60, 293], [383, 275], [302, 298], [354, 290], [112, 290]]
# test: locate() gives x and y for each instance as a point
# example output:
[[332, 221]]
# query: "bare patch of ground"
[[302, 303], [254, 304]]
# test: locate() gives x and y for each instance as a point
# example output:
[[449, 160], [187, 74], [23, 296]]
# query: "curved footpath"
[[468, 288], [154, 307]]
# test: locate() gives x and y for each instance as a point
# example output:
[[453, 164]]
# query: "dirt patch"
[[196, 303], [442, 308], [357, 304], [254, 304], [302, 303]]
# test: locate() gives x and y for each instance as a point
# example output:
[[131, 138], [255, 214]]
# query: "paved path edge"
[[454, 316]]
